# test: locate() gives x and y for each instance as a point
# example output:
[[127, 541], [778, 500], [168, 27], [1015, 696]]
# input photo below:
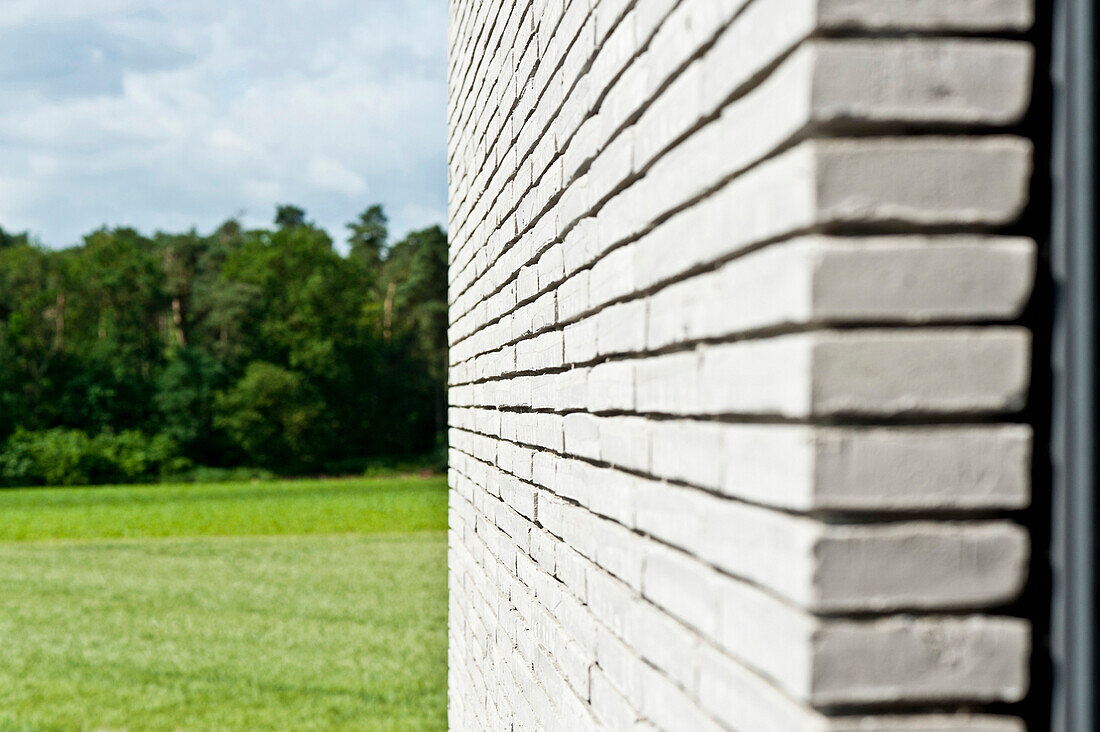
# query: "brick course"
[[734, 370]]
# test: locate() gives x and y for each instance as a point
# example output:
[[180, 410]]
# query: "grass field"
[[299, 605]]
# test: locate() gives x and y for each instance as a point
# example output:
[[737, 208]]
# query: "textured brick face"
[[734, 375]]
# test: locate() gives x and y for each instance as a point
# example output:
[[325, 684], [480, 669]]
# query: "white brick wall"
[[735, 379]]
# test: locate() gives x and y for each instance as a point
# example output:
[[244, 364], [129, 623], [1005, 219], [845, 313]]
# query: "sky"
[[172, 114]]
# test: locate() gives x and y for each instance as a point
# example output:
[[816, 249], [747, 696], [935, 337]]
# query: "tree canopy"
[[264, 347]]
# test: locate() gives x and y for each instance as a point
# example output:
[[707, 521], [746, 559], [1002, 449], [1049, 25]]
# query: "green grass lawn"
[[297, 605]]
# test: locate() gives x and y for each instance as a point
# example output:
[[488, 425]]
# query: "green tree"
[[369, 238], [308, 301], [32, 331], [8, 239], [275, 416], [416, 276], [417, 267], [181, 255], [187, 389], [288, 216], [122, 292]]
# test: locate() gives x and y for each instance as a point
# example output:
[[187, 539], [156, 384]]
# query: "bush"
[[57, 457], [63, 456], [206, 474], [131, 456], [275, 417], [433, 463]]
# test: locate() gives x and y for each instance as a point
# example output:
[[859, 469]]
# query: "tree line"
[[129, 357]]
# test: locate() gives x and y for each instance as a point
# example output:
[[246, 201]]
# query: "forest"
[[137, 358]]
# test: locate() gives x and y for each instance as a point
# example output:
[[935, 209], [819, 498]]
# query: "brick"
[[859, 371], [580, 341], [836, 280], [929, 659], [919, 565], [943, 80], [859, 180], [582, 435], [621, 328], [938, 14], [611, 387], [573, 296], [626, 442]]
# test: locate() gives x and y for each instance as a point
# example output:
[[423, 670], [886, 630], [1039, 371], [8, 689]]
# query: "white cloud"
[[330, 175], [200, 110], [19, 12]]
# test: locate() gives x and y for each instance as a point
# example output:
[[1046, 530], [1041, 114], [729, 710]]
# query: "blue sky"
[[168, 114]]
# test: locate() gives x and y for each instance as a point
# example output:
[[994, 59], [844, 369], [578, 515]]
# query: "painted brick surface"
[[735, 377]]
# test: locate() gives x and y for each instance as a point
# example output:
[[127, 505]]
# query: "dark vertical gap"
[[1034, 603]]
